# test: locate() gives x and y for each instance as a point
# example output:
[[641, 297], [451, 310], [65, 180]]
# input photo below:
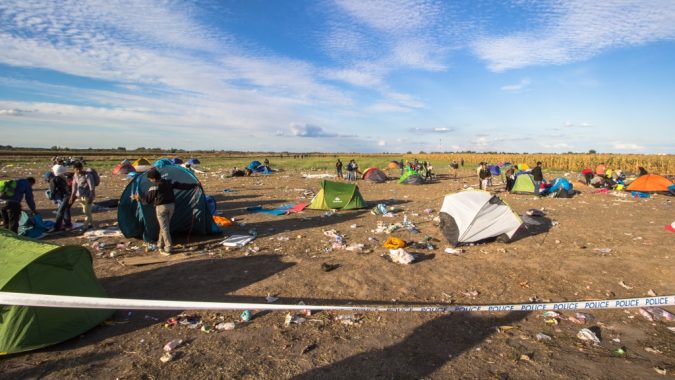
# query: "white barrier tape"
[[45, 300]]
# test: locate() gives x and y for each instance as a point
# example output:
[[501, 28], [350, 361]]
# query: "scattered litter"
[[651, 293], [585, 317], [619, 352], [172, 345], [358, 248], [400, 256], [603, 250], [536, 213], [652, 350], [225, 326], [308, 348], [106, 232], [588, 335], [453, 251], [660, 371], [648, 316], [271, 299], [167, 357], [353, 226], [471, 294], [543, 337], [394, 243], [296, 319], [659, 313], [525, 358], [329, 267], [207, 328], [238, 241], [245, 316], [671, 329], [505, 328], [623, 285], [349, 319]]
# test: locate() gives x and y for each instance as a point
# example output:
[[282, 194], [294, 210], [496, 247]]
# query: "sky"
[[340, 75]]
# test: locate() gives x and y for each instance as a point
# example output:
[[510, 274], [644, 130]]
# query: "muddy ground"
[[562, 263]]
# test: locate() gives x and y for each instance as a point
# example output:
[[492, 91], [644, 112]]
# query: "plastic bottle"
[[172, 344]]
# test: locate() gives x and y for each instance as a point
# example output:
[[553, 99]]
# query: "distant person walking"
[[461, 161], [484, 175], [12, 192], [454, 166], [83, 189]]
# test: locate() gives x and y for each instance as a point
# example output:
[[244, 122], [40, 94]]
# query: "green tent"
[[524, 184], [30, 266], [337, 195]]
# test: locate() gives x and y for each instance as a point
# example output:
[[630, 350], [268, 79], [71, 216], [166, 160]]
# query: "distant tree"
[[408, 152], [592, 151], [121, 148], [140, 148], [422, 152], [54, 147]]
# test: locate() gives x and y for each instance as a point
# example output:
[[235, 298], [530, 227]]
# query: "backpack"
[[7, 189], [94, 176]]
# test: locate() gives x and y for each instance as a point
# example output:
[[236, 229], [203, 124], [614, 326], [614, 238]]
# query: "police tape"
[[46, 300]]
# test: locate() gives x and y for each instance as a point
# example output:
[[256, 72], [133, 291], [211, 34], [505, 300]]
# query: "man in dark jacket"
[[161, 195], [59, 192], [538, 177], [11, 208]]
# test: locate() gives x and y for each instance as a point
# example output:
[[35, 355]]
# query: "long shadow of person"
[[427, 349]]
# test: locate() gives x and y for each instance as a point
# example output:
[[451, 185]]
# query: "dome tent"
[[472, 216], [375, 175], [36, 267], [337, 195], [650, 183], [191, 214]]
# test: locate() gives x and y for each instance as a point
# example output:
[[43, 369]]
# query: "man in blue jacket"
[[11, 209]]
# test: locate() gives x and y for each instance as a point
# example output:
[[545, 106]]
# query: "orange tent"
[[650, 183]]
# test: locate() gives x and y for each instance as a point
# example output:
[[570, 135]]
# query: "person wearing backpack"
[[84, 189], [12, 192], [59, 192]]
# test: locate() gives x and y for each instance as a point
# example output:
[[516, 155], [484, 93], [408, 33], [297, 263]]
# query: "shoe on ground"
[[165, 253]]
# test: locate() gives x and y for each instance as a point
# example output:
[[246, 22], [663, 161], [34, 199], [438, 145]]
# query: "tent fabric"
[[472, 216], [191, 214], [176, 161], [141, 165], [524, 184], [522, 166], [650, 183], [560, 188], [337, 195], [264, 169], [253, 165], [123, 169], [29, 266], [194, 161], [494, 169], [392, 165], [162, 162], [411, 178], [33, 226], [375, 175]]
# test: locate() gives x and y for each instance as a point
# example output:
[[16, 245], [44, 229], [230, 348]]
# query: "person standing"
[[350, 171], [484, 175], [461, 161], [161, 195], [600, 169], [510, 177], [454, 166], [538, 177], [430, 171], [84, 190], [357, 173], [59, 192], [11, 207], [338, 168]]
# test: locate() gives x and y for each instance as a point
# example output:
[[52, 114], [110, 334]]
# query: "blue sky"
[[344, 75]]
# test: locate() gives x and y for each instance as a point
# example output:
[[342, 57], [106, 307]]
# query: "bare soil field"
[[565, 262]]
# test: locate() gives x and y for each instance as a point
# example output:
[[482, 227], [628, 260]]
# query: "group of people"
[[605, 177], [64, 189], [352, 170]]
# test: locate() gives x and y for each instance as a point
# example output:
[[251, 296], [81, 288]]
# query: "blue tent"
[[494, 169], [194, 161], [162, 162], [561, 187], [264, 169], [176, 161], [191, 215], [253, 165]]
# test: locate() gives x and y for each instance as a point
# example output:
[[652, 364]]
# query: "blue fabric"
[[263, 169], [23, 189], [176, 161], [494, 170], [33, 226], [639, 194], [281, 210], [253, 165], [194, 161], [162, 162], [211, 204]]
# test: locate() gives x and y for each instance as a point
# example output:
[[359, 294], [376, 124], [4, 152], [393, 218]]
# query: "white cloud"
[[307, 130], [569, 124], [13, 112], [518, 87], [627, 146], [575, 30], [381, 143], [441, 130]]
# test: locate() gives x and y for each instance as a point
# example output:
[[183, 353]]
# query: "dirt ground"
[[564, 263]]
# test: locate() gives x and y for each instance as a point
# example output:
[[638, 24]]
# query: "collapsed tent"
[[472, 216], [337, 195], [524, 184], [650, 183], [191, 214], [123, 169], [253, 165], [141, 165], [176, 161], [193, 161], [560, 188], [411, 178], [375, 175], [28, 266], [264, 169]]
